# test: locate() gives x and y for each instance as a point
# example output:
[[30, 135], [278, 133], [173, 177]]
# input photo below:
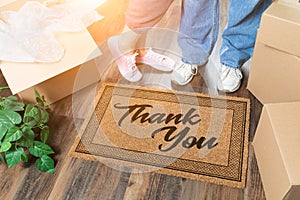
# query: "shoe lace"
[[187, 69], [228, 71], [131, 62], [155, 56]]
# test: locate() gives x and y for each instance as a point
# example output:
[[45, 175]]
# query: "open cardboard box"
[[275, 69], [54, 80], [277, 149]]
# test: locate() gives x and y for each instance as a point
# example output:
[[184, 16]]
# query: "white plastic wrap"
[[28, 34]]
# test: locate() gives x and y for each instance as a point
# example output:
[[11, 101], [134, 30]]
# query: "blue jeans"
[[200, 25]]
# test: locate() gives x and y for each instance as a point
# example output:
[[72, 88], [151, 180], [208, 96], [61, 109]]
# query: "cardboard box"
[[280, 28], [55, 80], [277, 149], [274, 73], [293, 3]]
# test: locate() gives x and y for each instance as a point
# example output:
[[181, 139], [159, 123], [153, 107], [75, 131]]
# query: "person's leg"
[[198, 34], [141, 15], [198, 31], [239, 35], [238, 40]]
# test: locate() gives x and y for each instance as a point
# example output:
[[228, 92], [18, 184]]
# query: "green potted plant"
[[24, 132]]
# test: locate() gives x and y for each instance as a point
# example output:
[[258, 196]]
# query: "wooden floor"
[[81, 179]]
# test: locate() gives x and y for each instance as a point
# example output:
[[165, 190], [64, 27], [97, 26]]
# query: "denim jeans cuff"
[[231, 65], [198, 57], [195, 62]]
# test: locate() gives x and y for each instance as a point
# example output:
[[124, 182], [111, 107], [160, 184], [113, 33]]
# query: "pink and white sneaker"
[[126, 64], [157, 61], [128, 68]]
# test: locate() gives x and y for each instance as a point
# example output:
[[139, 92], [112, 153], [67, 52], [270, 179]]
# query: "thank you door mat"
[[184, 134]]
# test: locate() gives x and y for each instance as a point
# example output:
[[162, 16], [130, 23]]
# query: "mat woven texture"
[[184, 134]]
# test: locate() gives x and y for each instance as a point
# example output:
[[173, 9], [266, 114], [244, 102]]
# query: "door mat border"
[[233, 174]]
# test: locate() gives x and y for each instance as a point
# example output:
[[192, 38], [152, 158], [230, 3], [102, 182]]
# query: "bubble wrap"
[[28, 35]]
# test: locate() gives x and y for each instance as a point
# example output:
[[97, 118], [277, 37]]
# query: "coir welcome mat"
[[184, 134]]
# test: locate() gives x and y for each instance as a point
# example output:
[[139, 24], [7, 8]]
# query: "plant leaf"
[[9, 118], [41, 99], [39, 149], [37, 94], [2, 131], [40, 102], [32, 111], [29, 121], [13, 134], [45, 164], [48, 105], [4, 88], [12, 98], [27, 138], [45, 134], [2, 159], [44, 115], [39, 114], [5, 146], [13, 105], [24, 157], [13, 157]]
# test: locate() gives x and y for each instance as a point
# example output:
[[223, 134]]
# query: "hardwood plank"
[[111, 182], [11, 180], [38, 185], [137, 186], [254, 189], [74, 179], [3, 83]]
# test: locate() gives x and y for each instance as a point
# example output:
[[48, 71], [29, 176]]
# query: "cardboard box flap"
[[280, 28], [80, 47], [272, 170], [285, 121]]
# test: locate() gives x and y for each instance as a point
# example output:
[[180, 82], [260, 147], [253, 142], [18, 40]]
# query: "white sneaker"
[[157, 61], [229, 79], [183, 73]]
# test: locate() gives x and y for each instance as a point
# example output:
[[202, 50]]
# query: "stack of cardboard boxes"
[[275, 81]]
